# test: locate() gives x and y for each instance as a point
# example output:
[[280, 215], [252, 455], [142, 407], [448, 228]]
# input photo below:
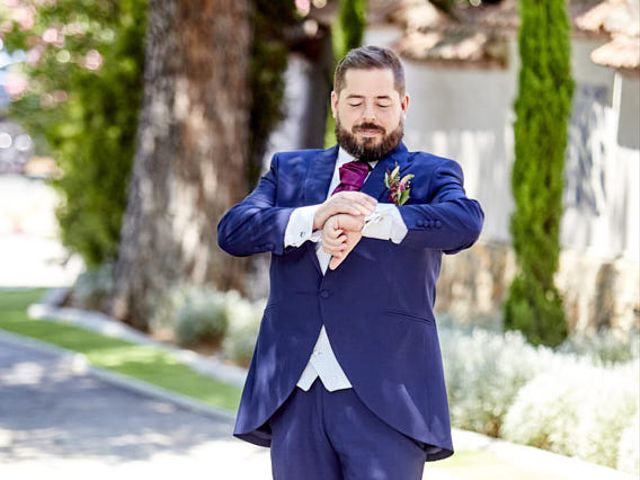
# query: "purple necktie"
[[352, 175]]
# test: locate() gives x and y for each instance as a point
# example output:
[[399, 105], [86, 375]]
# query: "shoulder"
[[434, 164], [291, 158]]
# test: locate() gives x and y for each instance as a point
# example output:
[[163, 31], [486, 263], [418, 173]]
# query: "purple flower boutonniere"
[[399, 189]]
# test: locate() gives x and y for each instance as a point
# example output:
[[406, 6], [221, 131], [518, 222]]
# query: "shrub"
[[244, 323], [201, 319], [191, 314], [629, 447], [576, 401], [605, 347], [576, 410], [93, 287], [484, 372]]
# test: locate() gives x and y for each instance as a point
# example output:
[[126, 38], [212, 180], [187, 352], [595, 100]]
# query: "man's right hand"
[[353, 203]]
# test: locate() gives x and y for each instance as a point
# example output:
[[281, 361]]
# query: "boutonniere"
[[398, 188]]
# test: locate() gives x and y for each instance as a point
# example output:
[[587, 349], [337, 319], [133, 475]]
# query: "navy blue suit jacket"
[[377, 306]]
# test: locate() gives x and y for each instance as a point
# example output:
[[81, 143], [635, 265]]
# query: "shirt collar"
[[344, 157]]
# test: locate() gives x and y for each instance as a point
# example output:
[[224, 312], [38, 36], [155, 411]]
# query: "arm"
[[300, 226], [450, 222], [306, 223], [256, 225]]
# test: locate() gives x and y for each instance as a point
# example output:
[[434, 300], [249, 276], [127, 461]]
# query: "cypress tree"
[[347, 33], [543, 106]]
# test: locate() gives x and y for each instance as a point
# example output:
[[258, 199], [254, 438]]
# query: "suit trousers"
[[323, 435]]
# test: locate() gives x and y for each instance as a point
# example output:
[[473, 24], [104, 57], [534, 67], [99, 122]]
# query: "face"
[[369, 113]]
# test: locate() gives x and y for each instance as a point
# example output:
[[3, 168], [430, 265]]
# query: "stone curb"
[[47, 309], [79, 365], [525, 456]]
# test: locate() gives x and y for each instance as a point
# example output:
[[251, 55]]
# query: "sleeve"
[[300, 226], [450, 221], [256, 225], [385, 223]]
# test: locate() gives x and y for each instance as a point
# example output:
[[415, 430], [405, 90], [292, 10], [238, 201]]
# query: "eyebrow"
[[379, 97]]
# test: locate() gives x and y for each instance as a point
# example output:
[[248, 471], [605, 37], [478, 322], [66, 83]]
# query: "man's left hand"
[[340, 234]]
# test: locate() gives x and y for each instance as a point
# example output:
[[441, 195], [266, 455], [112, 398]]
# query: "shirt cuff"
[[385, 223], [300, 226]]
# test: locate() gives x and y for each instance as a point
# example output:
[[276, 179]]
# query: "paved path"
[[57, 423]]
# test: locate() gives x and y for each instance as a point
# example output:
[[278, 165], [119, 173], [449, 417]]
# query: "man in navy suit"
[[346, 379]]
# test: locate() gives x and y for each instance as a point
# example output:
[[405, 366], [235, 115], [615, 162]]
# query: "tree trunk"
[[191, 153]]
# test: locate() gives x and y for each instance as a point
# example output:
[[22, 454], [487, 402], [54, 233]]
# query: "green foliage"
[[347, 33], [543, 107], [269, 55], [85, 116]]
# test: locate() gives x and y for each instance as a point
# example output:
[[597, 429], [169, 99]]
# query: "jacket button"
[[324, 293], [421, 223], [438, 224]]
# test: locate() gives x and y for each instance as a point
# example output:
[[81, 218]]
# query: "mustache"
[[369, 126]]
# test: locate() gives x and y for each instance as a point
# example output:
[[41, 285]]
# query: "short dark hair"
[[369, 58]]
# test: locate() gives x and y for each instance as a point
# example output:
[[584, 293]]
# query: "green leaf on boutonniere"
[[395, 171], [386, 179], [407, 177], [404, 196]]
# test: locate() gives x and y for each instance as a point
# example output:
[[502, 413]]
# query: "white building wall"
[[467, 114]]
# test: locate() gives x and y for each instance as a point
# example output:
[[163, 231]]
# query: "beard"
[[369, 149]]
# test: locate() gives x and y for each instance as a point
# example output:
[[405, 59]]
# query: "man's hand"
[[352, 203], [340, 234]]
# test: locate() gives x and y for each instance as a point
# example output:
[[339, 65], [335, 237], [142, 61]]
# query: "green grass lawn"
[[146, 363]]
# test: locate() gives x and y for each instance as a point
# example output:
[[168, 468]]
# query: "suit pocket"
[[410, 316]]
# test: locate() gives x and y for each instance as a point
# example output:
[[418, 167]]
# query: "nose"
[[369, 114]]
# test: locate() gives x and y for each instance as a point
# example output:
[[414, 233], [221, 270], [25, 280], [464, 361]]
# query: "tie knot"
[[352, 176]]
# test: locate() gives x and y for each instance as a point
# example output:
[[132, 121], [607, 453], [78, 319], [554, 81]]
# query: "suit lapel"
[[374, 184], [319, 176]]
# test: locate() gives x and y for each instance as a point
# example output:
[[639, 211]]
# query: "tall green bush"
[[271, 21], [82, 104], [347, 33], [534, 305]]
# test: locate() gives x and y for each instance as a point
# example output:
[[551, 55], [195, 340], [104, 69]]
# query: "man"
[[346, 378]]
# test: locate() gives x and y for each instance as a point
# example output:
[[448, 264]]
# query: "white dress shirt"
[[385, 223]]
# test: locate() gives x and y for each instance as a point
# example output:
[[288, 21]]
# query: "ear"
[[334, 103], [404, 104]]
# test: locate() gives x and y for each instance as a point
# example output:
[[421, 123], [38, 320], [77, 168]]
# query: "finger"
[[331, 250], [359, 205], [351, 224], [361, 198], [336, 244], [335, 262], [334, 233], [348, 208]]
